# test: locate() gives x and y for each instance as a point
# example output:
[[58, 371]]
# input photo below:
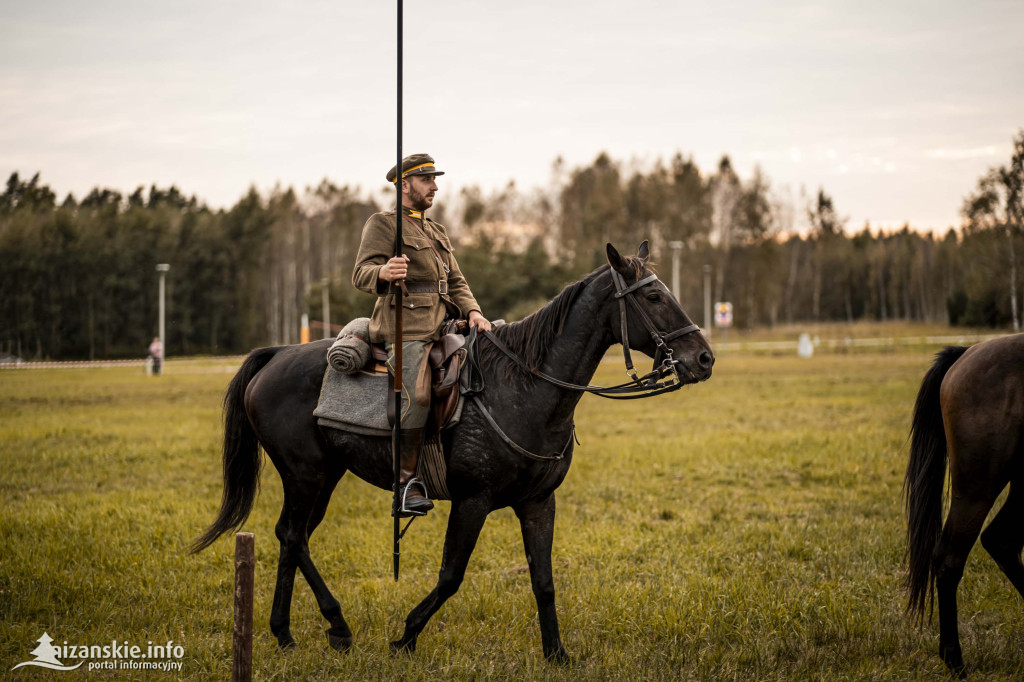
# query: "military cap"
[[415, 164]]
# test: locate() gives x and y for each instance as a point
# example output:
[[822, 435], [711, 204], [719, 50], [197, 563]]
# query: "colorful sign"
[[723, 314]]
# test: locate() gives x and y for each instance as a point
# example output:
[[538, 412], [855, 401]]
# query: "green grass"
[[747, 528]]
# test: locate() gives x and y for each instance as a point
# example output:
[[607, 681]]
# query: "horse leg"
[[280, 611], [1004, 537], [339, 636], [298, 520], [537, 520], [959, 534], [464, 524]]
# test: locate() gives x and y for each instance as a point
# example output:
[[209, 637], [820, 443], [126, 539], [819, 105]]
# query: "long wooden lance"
[[396, 436]]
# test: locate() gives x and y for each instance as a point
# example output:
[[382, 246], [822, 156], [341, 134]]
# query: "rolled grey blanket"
[[351, 351]]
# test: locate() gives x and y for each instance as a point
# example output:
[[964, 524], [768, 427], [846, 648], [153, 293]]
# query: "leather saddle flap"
[[446, 358]]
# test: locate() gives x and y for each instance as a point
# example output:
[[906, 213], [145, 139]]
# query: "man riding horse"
[[433, 291]]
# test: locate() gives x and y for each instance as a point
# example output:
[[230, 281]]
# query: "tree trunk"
[[275, 305], [92, 330], [882, 309], [720, 277], [816, 285], [794, 262], [751, 306], [1013, 279], [906, 298]]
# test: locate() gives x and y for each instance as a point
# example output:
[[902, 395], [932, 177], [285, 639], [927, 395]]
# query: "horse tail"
[[924, 484], [242, 460]]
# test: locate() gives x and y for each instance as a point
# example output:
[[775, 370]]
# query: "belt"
[[438, 287]]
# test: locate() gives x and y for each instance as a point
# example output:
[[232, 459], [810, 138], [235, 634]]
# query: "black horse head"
[[655, 323]]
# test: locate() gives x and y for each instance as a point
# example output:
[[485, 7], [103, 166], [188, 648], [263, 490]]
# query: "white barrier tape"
[[85, 364]]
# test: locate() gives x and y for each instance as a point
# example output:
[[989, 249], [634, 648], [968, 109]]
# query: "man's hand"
[[394, 270], [479, 321]]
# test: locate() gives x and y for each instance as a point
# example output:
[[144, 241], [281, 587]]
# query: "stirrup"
[[404, 511]]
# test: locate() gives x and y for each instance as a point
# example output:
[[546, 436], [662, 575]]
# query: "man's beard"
[[419, 200]]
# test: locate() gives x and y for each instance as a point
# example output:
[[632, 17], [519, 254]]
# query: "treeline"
[[78, 278]]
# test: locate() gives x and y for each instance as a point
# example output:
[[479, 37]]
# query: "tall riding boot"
[[412, 498]]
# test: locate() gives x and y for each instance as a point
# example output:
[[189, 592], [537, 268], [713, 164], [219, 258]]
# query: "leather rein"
[[663, 378]]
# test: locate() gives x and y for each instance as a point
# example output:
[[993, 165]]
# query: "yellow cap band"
[[410, 170]]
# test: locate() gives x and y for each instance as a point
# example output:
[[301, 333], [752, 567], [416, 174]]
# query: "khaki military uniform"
[[435, 288]]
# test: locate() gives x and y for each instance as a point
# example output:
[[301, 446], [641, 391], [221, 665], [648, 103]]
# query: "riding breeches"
[[414, 415]]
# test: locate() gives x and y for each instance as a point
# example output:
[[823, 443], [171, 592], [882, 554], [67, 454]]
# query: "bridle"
[[663, 353], [663, 378]]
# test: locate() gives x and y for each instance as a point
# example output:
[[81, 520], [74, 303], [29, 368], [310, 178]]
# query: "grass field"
[[747, 528]]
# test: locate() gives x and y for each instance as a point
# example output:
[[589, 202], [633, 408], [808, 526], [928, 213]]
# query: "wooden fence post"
[[245, 569]]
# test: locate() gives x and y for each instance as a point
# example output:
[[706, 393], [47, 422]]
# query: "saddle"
[[445, 359]]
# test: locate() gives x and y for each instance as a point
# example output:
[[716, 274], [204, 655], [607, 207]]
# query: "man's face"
[[418, 191]]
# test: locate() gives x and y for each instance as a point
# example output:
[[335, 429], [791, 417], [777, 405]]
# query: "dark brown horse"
[[512, 447], [969, 410]]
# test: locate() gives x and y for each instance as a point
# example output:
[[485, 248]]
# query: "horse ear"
[[644, 252], [615, 260]]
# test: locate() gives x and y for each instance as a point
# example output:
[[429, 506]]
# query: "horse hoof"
[[559, 657], [285, 643], [339, 642], [954, 660], [402, 647]]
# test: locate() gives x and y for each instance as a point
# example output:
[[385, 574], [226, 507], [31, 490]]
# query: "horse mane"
[[531, 337]]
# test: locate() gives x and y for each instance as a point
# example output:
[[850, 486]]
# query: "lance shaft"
[[396, 436]]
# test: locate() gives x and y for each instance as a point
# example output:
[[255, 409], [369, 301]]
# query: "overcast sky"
[[894, 108]]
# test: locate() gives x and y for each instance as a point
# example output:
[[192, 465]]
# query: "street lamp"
[[707, 301], [676, 248], [162, 268], [326, 300]]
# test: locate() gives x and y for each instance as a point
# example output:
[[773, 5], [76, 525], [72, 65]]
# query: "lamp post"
[[707, 301], [162, 268], [676, 248], [326, 296]]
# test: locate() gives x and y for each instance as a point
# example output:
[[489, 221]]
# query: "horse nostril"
[[705, 359]]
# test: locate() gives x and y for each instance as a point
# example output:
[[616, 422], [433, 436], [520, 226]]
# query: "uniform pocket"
[[411, 240], [413, 301]]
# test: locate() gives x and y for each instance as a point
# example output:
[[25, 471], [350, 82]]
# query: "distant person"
[[433, 290], [156, 354]]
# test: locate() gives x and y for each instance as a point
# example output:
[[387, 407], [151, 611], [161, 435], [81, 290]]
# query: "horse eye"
[[654, 297]]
